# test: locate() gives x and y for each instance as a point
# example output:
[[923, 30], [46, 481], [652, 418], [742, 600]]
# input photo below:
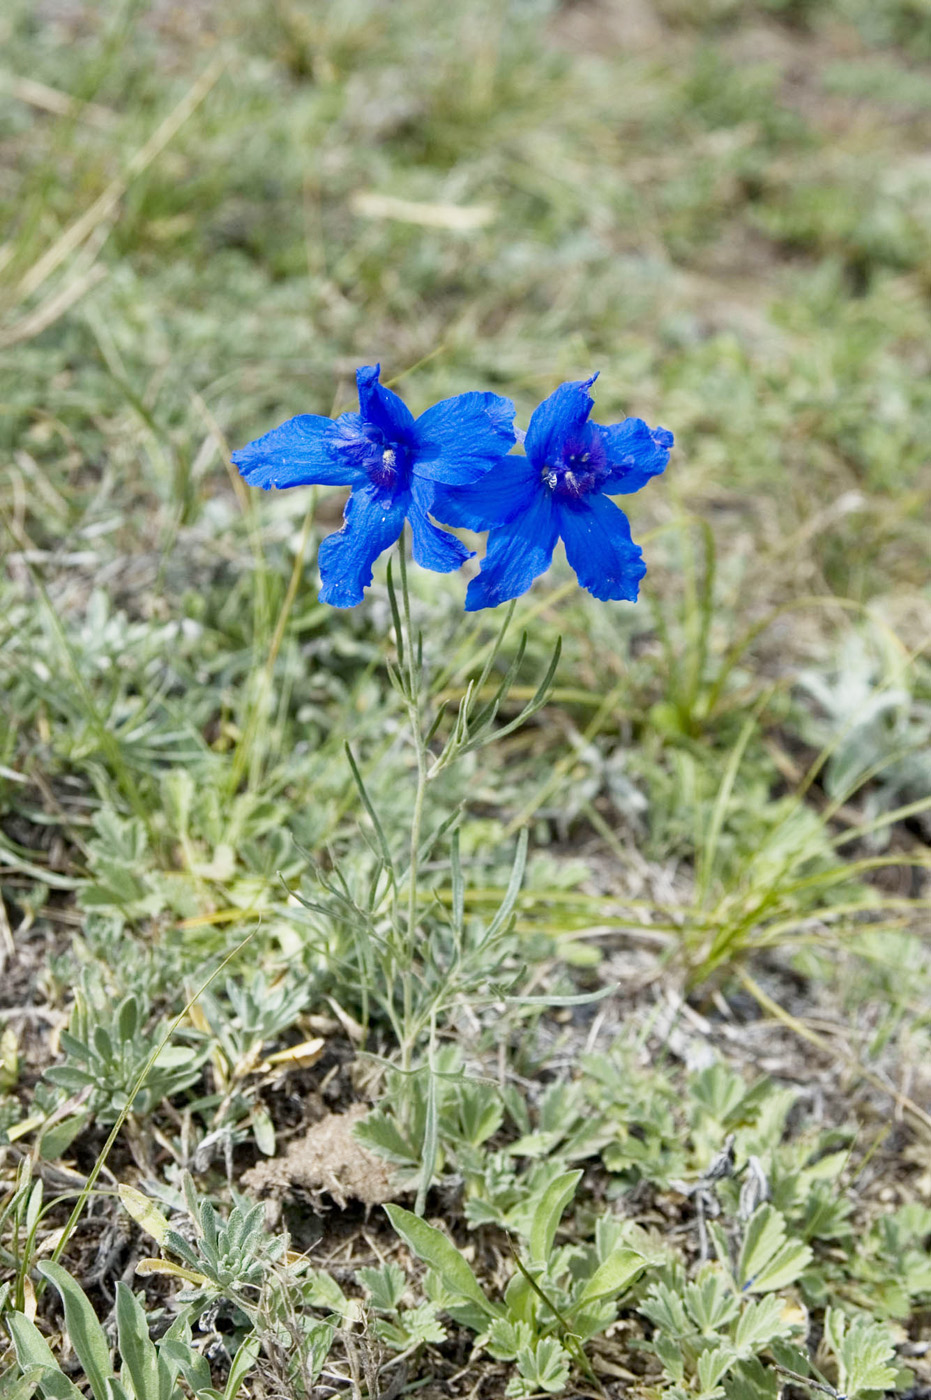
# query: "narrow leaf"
[[435, 1249], [145, 1213], [87, 1335], [395, 616], [539, 699], [431, 1141], [581, 999], [170, 1270], [242, 1364], [548, 1214], [32, 1350], [373, 815], [506, 907], [458, 887], [140, 1358], [620, 1268]]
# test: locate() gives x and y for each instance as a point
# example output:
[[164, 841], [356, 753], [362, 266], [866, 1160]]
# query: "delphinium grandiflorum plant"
[[455, 465]]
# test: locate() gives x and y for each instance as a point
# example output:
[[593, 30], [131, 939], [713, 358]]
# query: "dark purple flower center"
[[577, 467], [389, 466], [386, 463]]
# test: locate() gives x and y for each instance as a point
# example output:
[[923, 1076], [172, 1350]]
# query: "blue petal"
[[301, 452], [561, 415], [508, 489], [359, 442], [598, 546], [433, 548], [458, 440], [373, 522], [635, 453], [517, 553], [383, 408]]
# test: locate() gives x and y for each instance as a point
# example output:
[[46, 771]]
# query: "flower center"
[[576, 475], [389, 467], [577, 467]]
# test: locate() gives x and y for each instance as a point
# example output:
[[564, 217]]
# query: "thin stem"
[[413, 704], [413, 686], [807, 1380], [430, 1148], [411, 940]]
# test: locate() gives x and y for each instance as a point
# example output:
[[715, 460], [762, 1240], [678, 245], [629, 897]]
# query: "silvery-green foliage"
[[239, 843], [119, 1058], [893, 1261], [253, 1012], [397, 1325], [467, 1112], [233, 1254], [863, 1352], [711, 1331], [705, 1327], [148, 1370], [870, 716], [542, 1364], [272, 1296], [558, 1297]]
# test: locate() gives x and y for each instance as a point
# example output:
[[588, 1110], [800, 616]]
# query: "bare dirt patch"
[[326, 1161]]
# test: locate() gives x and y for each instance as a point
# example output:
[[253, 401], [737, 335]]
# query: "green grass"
[[212, 215]]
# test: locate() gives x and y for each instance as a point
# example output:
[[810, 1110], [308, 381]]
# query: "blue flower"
[[560, 489], [394, 464]]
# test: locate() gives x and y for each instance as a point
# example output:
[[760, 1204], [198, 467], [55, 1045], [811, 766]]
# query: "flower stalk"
[[414, 706]]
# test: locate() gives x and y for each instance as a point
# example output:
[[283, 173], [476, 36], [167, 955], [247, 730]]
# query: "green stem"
[[413, 686], [411, 940], [413, 699]]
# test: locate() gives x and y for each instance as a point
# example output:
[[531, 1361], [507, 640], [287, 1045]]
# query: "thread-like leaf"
[[506, 907], [373, 815]]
